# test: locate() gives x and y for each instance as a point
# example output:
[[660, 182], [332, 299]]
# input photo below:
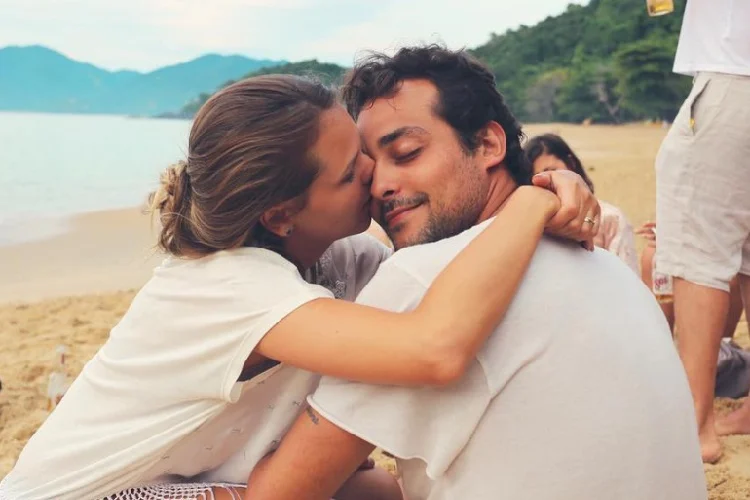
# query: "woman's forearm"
[[434, 343], [471, 295]]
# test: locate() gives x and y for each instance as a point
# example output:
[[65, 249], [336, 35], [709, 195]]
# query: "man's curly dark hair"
[[469, 98]]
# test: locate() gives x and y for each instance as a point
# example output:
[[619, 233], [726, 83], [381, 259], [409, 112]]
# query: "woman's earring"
[[288, 230]]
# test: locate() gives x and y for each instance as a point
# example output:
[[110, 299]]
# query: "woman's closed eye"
[[349, 178]]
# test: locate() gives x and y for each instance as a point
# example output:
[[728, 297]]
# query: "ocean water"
[[53, 166]]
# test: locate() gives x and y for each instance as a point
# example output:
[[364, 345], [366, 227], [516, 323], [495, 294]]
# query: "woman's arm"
[[434, 343]]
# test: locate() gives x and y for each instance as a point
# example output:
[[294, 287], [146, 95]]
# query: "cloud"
[[145, 34], [457, 24]]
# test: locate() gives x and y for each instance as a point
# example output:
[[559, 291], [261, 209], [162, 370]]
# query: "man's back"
[[579, 392]]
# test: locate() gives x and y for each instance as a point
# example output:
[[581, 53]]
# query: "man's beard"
[[442, 222]]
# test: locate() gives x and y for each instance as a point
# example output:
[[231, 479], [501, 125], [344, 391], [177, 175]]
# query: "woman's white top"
[[616, 235], [162, 398]]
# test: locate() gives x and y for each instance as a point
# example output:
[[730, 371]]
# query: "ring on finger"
[[589, 220]]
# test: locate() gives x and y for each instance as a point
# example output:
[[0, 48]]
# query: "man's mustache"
[[392, 204]]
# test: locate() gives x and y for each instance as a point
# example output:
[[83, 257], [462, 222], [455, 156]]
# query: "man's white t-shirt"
[[578, 394], [161, 400], [714, 38]]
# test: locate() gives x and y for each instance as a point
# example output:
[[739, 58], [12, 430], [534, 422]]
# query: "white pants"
[[703, 184]]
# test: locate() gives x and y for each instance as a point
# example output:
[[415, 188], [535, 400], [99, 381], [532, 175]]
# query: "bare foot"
[[710, 447], [736, 422]]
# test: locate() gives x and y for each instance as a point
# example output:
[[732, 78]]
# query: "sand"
[[101, 251], [73, 288]]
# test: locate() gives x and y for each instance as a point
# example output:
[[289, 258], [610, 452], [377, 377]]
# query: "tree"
[[326, 73], [589, 93], [541, 96], [607, 61], [645, 78], [581, 43], [604, 87]]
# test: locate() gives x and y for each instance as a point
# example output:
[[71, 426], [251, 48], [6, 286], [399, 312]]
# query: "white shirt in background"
[[161, 400], [616, 235], [578, 394], [715, 37]]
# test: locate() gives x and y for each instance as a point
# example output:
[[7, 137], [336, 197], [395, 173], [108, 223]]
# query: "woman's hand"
[[648, 232], [578, 217]]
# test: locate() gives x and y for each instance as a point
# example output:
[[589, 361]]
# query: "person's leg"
[[735, 307], [647, 268], [373, 484], [700, 314], [738, 421], [703, 216]]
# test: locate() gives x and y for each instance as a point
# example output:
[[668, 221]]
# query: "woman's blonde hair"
[[249, 150]]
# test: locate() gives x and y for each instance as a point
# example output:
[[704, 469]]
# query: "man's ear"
[[491, 146], [279, 219]]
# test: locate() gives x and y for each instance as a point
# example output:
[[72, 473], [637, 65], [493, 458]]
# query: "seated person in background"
[[550, 152], [733, 368], [648, 232]]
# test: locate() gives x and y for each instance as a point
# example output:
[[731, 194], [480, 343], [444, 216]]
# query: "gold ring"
[[589, 220]]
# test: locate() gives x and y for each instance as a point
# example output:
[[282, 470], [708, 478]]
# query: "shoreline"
[[96, 252], [14, 227]]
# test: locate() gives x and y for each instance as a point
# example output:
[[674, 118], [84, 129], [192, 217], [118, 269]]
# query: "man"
[[572, 397], [703, 197]]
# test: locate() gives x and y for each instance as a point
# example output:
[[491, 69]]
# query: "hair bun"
[[172, 202], [171, 182]]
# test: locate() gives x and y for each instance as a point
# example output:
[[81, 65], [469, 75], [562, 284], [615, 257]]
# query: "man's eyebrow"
[[398, 133]]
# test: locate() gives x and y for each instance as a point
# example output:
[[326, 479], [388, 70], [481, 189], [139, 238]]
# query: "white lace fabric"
[[164, 491], [177, 491]]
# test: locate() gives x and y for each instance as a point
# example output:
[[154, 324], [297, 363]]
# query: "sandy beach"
[[72, 288], [100, 252]]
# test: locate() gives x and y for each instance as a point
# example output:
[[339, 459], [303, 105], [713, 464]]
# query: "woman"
[[549, 152], [212, 362]]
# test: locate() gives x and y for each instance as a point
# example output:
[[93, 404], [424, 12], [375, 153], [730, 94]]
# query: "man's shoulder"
[[564, 279], [572, 260], [401, 280], [425, 261]]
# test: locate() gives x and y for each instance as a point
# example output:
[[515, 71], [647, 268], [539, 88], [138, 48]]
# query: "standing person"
[[703, 193]]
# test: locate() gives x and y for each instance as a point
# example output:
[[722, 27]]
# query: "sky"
[[147, 34]]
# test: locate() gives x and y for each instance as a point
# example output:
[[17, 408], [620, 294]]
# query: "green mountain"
[[39, 79], [607, 61], [327, 73]]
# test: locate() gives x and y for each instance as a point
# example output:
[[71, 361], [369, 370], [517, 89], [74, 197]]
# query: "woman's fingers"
[[579, 215]]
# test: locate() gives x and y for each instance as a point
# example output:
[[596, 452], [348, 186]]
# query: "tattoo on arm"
[[312, 415]]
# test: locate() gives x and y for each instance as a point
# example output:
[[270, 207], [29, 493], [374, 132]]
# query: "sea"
[[54, 166]]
